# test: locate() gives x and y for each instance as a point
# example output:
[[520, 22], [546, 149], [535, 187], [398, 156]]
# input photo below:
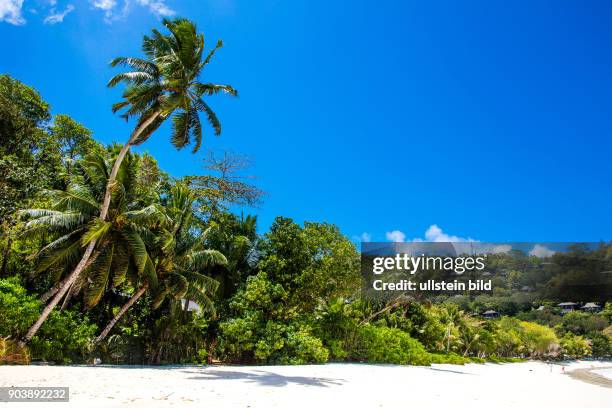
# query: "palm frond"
[[202, 282], [212, 53], [202, 300], [136, 64], [210, 115], [137, 247], [121, 263], [97, 230], [147, 216], [98, 277], [67, 255], [201, 260], [177, 284], [213, 89]]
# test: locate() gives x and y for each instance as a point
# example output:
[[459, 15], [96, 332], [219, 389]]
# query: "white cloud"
[[104, 4], [541, 251], [366, 237], [113, 12], [157, 7], [432, 234], [435, 234], [58, 17], [396, 236], [10, 12]]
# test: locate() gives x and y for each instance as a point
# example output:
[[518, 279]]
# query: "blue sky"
[[401, 120]]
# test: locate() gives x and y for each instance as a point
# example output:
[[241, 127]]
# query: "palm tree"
[[180, 260], [236, 238], [73, 222], [165, 84]]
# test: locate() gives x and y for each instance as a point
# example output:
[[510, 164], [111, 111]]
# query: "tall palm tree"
[[165, 84], [180, 260], [73, 222]]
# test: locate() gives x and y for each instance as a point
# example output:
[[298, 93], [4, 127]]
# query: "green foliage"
[[526, 338], [312, 263], [389, 345], [601, 345], [66, 336], [574, 346], [582, 323], [264, 330], [452, 358], [18, 309]]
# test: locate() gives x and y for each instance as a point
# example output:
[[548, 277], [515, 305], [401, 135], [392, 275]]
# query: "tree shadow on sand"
[[265, 378]]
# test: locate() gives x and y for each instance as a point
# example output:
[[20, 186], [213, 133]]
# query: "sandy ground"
[[524, 385]]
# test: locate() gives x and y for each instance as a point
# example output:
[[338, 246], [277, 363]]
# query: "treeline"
[[104, 255]]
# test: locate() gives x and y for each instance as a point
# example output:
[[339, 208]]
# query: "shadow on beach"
[[449, 371], [265, 378]]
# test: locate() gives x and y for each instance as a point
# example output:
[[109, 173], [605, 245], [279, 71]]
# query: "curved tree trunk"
[[68, 296], [55, 288], [120, 314], [90, 247], [71, 278]]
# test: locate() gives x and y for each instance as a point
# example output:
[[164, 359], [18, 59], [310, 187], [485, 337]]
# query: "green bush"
[[389, 345], [63, 338], [601, 345], [18, 310], [264, 330], [303, 348], [582, 323], [574, 346]]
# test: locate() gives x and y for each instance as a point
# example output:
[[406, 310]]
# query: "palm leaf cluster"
[[72, 223], [167, 84], [151, 245], [182, 256]]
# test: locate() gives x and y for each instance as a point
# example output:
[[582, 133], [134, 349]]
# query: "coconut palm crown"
[[167, 84]]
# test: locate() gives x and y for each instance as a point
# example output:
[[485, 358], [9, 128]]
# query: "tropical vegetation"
[[104, 255]]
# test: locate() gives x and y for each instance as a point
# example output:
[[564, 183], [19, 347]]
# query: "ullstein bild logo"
[[442, 270]]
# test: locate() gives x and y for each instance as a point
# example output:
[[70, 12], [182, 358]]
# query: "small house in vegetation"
[[567, 307], [490, 314], [191, 306], [591, 307]]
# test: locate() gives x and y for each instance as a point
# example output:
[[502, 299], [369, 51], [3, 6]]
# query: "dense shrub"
[[389, 345], [601, 345], [18, 310], [574, 346], [65, 336], [264, 330], [516, 337], [582, 323]]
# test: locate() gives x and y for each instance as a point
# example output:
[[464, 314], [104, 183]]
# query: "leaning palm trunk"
[[90, 247], [49, 294], [120, 314], [47, 311]]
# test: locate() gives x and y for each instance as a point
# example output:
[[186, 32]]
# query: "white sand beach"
[[530, 384]]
